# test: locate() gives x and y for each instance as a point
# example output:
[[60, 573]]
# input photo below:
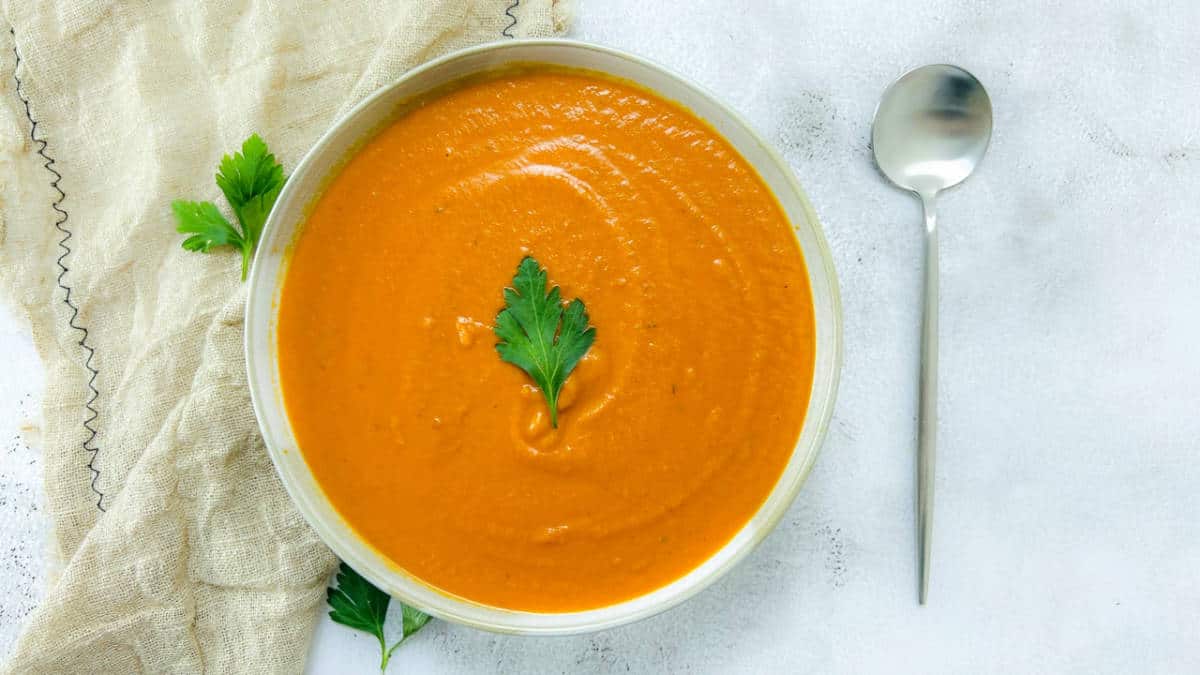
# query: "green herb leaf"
[[414, 619], [251, 181], [538, 336], [357, 603], [206, 225], [249, 173]]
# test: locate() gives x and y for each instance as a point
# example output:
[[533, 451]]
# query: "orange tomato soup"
[[673, 429]]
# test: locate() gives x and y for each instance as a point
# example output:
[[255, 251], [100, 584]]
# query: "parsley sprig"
[[360, 605], [538, 335], [251, 180]]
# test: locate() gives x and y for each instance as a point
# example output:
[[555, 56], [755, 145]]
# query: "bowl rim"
[[410, 589]]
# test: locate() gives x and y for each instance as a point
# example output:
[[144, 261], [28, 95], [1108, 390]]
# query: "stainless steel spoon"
[[931, 129]]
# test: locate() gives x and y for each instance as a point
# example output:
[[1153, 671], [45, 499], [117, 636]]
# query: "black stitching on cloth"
[[60, 224], [507, 32]]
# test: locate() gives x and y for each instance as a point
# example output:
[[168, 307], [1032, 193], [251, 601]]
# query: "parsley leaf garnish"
[[251, 180], [360, 605], [413, 620], [538, 335]]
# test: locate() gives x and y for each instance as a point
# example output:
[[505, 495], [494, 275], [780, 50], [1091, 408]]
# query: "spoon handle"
[[927, 422]]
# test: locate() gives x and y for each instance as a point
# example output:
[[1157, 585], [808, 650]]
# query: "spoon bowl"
[[931, 128]]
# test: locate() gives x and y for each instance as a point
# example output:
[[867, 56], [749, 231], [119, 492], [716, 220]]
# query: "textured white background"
[[1068, 514]]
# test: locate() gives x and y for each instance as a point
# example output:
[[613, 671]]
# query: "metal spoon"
[[931, 129]]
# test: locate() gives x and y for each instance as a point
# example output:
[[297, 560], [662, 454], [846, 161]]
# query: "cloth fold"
[[175, 547]]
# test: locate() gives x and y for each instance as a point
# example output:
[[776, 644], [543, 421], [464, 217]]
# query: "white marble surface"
[[1068, 515], [23, 526]]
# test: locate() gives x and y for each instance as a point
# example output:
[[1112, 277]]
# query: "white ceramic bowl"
[[270, 266]]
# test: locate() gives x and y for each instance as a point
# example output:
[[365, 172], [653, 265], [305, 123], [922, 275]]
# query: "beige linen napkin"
[[177, 550]]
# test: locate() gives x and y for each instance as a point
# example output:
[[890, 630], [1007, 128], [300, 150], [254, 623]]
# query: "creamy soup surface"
[[672, 430]]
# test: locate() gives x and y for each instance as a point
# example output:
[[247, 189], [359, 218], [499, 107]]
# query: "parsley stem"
[[387, 653], [245, 260]]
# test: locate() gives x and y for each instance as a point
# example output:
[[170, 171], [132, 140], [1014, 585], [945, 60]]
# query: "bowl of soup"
[[430, 464]]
